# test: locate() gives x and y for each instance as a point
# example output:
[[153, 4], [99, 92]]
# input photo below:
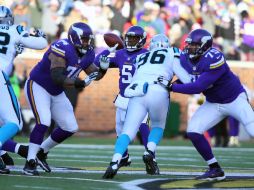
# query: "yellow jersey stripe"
[[33, 102]]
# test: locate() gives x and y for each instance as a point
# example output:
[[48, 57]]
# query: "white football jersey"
[[160, 62], [9, 37]]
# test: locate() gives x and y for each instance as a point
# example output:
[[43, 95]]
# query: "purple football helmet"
[[81, 36], [135, 38], [197, 43]]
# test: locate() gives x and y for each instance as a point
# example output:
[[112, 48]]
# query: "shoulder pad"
[[20, 29], [214, 58], [176, 52], [217, 62], [58, 49]]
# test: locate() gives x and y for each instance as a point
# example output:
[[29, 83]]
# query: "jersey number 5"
[[4, 41]]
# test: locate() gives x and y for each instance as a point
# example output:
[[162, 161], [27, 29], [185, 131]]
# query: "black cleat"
[[126, 161], [213, 174], [7, 159], [151, 164], [3, 169], [41, 160], [30, 168], [111, 170]]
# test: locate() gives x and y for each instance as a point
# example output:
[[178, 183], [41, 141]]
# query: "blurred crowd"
[[230, 21]]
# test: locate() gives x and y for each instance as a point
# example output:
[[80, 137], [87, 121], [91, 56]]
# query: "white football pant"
[[154, 103], [209, 114], [46, 106]]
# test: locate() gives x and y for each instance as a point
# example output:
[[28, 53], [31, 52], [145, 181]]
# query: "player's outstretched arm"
[[36, 41], [180, 72]]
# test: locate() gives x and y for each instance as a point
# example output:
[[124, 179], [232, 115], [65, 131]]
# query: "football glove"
[[39, 33], [113, 49], [19, 48], [91, 77], [164, 82], [104, 62]]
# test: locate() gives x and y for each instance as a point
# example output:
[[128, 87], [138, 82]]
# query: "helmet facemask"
[[6, 16], [133, 42]]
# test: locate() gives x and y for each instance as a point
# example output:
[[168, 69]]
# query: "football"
[[112, 39]]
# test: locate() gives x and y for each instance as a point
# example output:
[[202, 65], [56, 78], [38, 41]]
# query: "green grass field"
[[80, 163]]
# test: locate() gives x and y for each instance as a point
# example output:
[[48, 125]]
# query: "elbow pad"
[[57, 75]]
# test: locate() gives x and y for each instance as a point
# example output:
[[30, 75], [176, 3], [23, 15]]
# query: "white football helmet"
[[159, 41], [6, 16]]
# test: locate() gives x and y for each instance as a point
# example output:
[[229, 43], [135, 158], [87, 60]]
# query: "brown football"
[[112, 39]]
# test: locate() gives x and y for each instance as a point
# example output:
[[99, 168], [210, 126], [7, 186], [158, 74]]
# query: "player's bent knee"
[[70, 128], [130, 136], [194, 130], [250, 129]]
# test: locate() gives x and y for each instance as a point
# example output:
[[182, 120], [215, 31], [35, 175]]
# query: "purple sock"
[[233, 127], [38, 133], [201, 145], [59, 135], [144, 132], [211, 132], [9, 146]]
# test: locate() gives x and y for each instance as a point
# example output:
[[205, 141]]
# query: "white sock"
[[2, 152], [151, 146], [32, 151], [213, 160], [17, 148], [48, 144], [117, 157]]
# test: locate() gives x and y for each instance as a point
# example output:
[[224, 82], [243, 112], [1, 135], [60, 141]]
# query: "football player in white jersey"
[[10, 36], [147, 96]]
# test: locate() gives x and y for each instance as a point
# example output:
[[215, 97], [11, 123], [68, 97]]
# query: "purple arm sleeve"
[[205, 80]]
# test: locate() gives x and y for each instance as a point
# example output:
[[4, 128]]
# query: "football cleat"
[[151, 164], [212, 174], [111, 170], [233, 142], [41, 160], [7, 159], [126, 161], [3, 169], [30, 168]]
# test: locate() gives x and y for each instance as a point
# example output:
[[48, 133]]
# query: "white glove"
[[113, 49], [19, 48], [91, 78], [104, 62], [39, 33], [164, 82]]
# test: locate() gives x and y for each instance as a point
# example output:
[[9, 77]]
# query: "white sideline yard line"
[[141, 147], [19, 168], [133, 185], [138, 147], [36, 187], [65, 178]]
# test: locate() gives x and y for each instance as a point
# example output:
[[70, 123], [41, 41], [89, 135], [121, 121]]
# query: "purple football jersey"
[[123, 60], [74, 65], [212, 76]]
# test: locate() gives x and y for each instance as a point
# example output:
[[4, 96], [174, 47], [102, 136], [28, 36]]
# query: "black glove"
[[165, 83], [39, 33]]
